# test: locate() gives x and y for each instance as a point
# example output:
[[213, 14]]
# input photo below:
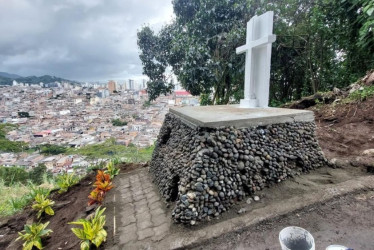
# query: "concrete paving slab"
[[231, 115]]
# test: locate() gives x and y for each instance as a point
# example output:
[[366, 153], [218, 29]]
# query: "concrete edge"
[[184, 240], [306, 116], [189, 121]]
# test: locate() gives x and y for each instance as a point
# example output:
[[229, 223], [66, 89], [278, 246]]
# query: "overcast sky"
[[83, 40]]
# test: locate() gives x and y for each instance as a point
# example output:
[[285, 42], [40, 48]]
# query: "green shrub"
[[65, 181], [37, 174], [11, 175], [50, 149], [118, 122], [362, 94], [112, 170], [12, 146]]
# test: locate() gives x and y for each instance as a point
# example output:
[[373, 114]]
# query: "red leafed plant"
[[96, 196], [103, 184]]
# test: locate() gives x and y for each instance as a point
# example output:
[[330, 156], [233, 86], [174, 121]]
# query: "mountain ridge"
[[9, 75], [4, 80]]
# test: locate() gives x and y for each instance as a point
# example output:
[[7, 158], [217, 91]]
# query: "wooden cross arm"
[[256, 43]]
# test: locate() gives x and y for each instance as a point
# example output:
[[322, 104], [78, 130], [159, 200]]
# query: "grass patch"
[[109, 149], [19, 187], [13, 198], [10, 146], [362, 94]]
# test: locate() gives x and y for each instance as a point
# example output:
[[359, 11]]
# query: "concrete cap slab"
[[231, 115]]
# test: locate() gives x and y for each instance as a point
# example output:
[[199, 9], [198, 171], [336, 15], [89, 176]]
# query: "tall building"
[[131, 84], [112, 86], [144, 84]]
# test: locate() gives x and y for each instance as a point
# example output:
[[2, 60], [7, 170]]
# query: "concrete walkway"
[[141, 220]]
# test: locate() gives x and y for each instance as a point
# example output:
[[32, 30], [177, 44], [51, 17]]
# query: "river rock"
[[204, 171]]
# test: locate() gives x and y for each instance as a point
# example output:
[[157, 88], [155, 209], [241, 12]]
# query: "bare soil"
[[344, 131], [69, 206], [346, 220]]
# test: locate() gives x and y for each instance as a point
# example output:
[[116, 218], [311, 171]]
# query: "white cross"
[[257, 62]]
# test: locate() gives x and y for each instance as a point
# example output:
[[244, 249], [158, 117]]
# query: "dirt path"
[[347, 220]]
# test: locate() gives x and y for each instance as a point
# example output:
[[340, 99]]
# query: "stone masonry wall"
[[206, 170]]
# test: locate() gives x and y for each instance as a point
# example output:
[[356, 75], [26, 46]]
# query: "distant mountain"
[[4, 80], [11, 76]]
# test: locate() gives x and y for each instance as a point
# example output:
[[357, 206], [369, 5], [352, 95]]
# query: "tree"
[[320, 44], [118, 122], [50, 149], [36, 175], [11, 175], [23, 114], [154, 62]]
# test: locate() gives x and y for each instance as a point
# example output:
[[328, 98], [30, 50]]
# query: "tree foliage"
[[23, 114], [7, 145], [119, 122], [320, 44], [51, 149], [12, 175], [154, 61]]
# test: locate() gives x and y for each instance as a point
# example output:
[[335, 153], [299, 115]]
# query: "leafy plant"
[[112, 170], [38, 191], [96, 196], [65, 181], [32, 234], [362, 94], [103, 184], [43, 205], [103, 181], [93, 230], [116, 161]]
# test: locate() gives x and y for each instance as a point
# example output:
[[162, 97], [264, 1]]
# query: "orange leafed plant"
[[103, 184], [96, 196]]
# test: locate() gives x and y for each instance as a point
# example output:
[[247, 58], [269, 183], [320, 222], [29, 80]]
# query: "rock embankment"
[[206, 170]]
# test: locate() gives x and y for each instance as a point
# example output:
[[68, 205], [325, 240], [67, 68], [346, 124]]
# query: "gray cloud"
[[76, 39]]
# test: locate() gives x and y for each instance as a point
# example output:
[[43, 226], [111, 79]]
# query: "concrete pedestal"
[[232, 115], [208, 157]]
